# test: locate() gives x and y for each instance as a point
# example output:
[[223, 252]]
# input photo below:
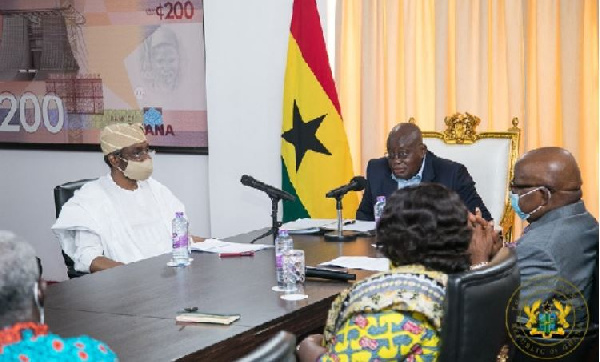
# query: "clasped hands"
[[485, 241], [311, 348]]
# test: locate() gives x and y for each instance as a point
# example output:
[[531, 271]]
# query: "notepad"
[[200, 317], [309, 226], [218, 246], [360, 262]]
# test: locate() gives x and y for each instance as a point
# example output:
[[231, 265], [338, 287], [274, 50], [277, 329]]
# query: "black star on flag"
[[304, 136]]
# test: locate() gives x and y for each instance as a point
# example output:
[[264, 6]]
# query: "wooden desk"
[[136, 338], [132, 308]]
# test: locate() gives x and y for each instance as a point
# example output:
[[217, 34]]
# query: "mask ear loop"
[[539, 207], [38, 304]]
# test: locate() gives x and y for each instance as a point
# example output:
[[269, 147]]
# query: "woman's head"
[[427, 225], [19, 274]]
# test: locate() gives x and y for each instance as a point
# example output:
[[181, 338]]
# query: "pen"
[[236, 255]]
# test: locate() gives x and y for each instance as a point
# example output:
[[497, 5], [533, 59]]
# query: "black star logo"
[[304, 136]]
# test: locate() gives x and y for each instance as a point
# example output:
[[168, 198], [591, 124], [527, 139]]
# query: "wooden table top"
[[132, 308]]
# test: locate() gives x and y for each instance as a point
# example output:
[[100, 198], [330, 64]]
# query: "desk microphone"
[[269, 190], [324, 273], [358, 183]]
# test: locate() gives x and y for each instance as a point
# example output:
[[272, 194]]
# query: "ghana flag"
[[314, 147]]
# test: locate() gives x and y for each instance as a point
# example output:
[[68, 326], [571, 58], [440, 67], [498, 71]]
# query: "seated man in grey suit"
[[561, 240], [408, 162]]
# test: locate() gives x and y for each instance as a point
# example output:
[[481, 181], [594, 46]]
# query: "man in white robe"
[[122, 217]]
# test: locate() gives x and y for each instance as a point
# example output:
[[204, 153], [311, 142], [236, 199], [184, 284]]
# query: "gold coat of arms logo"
[[551, 317]]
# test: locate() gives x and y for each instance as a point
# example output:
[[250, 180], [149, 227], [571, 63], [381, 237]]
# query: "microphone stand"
[[274, 230], [339, 234]]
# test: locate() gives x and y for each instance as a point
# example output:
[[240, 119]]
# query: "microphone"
[[358, 183], [269, 190], [325, 273]]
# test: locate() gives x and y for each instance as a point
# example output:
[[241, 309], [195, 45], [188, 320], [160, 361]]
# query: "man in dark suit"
[[407, 162]]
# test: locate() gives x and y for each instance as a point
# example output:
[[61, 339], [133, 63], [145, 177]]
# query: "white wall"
[[246, 52], [27, 202]]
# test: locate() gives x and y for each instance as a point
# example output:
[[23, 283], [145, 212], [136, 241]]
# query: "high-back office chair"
[[62, 194], [280, 348], [473, 328], [489, 156]]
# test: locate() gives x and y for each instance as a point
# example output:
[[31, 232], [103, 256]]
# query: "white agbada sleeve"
[[88, 247]]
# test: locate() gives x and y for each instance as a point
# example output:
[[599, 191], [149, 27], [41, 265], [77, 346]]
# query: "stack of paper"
[[218, 246], [360, 262], [307, 226], [358, 226]]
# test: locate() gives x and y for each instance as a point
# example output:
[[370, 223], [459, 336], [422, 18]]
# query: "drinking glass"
[[293, 269]]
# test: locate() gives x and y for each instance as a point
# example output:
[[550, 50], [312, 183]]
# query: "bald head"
[[553, 167], [406, 133]]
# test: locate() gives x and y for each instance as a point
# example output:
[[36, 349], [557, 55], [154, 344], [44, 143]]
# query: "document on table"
[[219, 246], [307, 226], [360, 262], [358, 226]]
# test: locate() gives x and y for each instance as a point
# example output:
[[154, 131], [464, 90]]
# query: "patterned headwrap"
[[120, 135]]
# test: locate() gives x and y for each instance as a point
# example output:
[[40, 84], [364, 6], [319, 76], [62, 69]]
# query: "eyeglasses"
[[137, 154], [402, 155], [520, 187]]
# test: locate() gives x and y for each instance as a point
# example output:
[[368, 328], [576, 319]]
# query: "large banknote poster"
[[70, 67]]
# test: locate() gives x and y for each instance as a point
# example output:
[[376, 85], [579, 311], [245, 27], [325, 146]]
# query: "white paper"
[[360, 262], [358, 226], [218, 246], [305, 224], [308, 226]]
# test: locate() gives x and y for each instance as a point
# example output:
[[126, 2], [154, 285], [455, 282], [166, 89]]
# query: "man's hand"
[[197, 239], [102, 263], [482, 240]]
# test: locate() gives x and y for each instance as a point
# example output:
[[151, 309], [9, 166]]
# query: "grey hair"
[[19, 272]]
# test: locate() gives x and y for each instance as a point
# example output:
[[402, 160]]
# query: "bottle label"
[[180, 241]]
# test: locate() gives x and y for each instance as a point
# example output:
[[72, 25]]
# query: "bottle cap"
[[380, 198], [282, 232], [179, 214]]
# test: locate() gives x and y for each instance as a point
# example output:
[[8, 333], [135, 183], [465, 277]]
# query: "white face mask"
[[38, 304], [138, 171]]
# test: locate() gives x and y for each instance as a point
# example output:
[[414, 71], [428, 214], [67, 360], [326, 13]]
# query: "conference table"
[[132, 308]]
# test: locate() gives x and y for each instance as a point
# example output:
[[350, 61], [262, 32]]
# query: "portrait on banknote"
[[68, 68]]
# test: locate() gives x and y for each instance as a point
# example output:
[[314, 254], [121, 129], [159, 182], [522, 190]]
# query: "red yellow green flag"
[[314, 147]]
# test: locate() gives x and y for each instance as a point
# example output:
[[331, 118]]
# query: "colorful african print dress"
[[394, 315], [29, 342]]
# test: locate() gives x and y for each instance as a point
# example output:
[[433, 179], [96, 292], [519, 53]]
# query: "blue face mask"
[[514, 201]]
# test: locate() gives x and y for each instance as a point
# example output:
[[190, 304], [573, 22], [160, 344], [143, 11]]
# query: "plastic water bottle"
[[283, 242], [181, 254], [378, 208]]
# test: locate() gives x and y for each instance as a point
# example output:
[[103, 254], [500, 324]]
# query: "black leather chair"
[[280, 348], [62, 194], [473, 328]]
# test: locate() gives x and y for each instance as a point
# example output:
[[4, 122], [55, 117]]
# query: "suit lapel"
[[389, 185], [428, 171]]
